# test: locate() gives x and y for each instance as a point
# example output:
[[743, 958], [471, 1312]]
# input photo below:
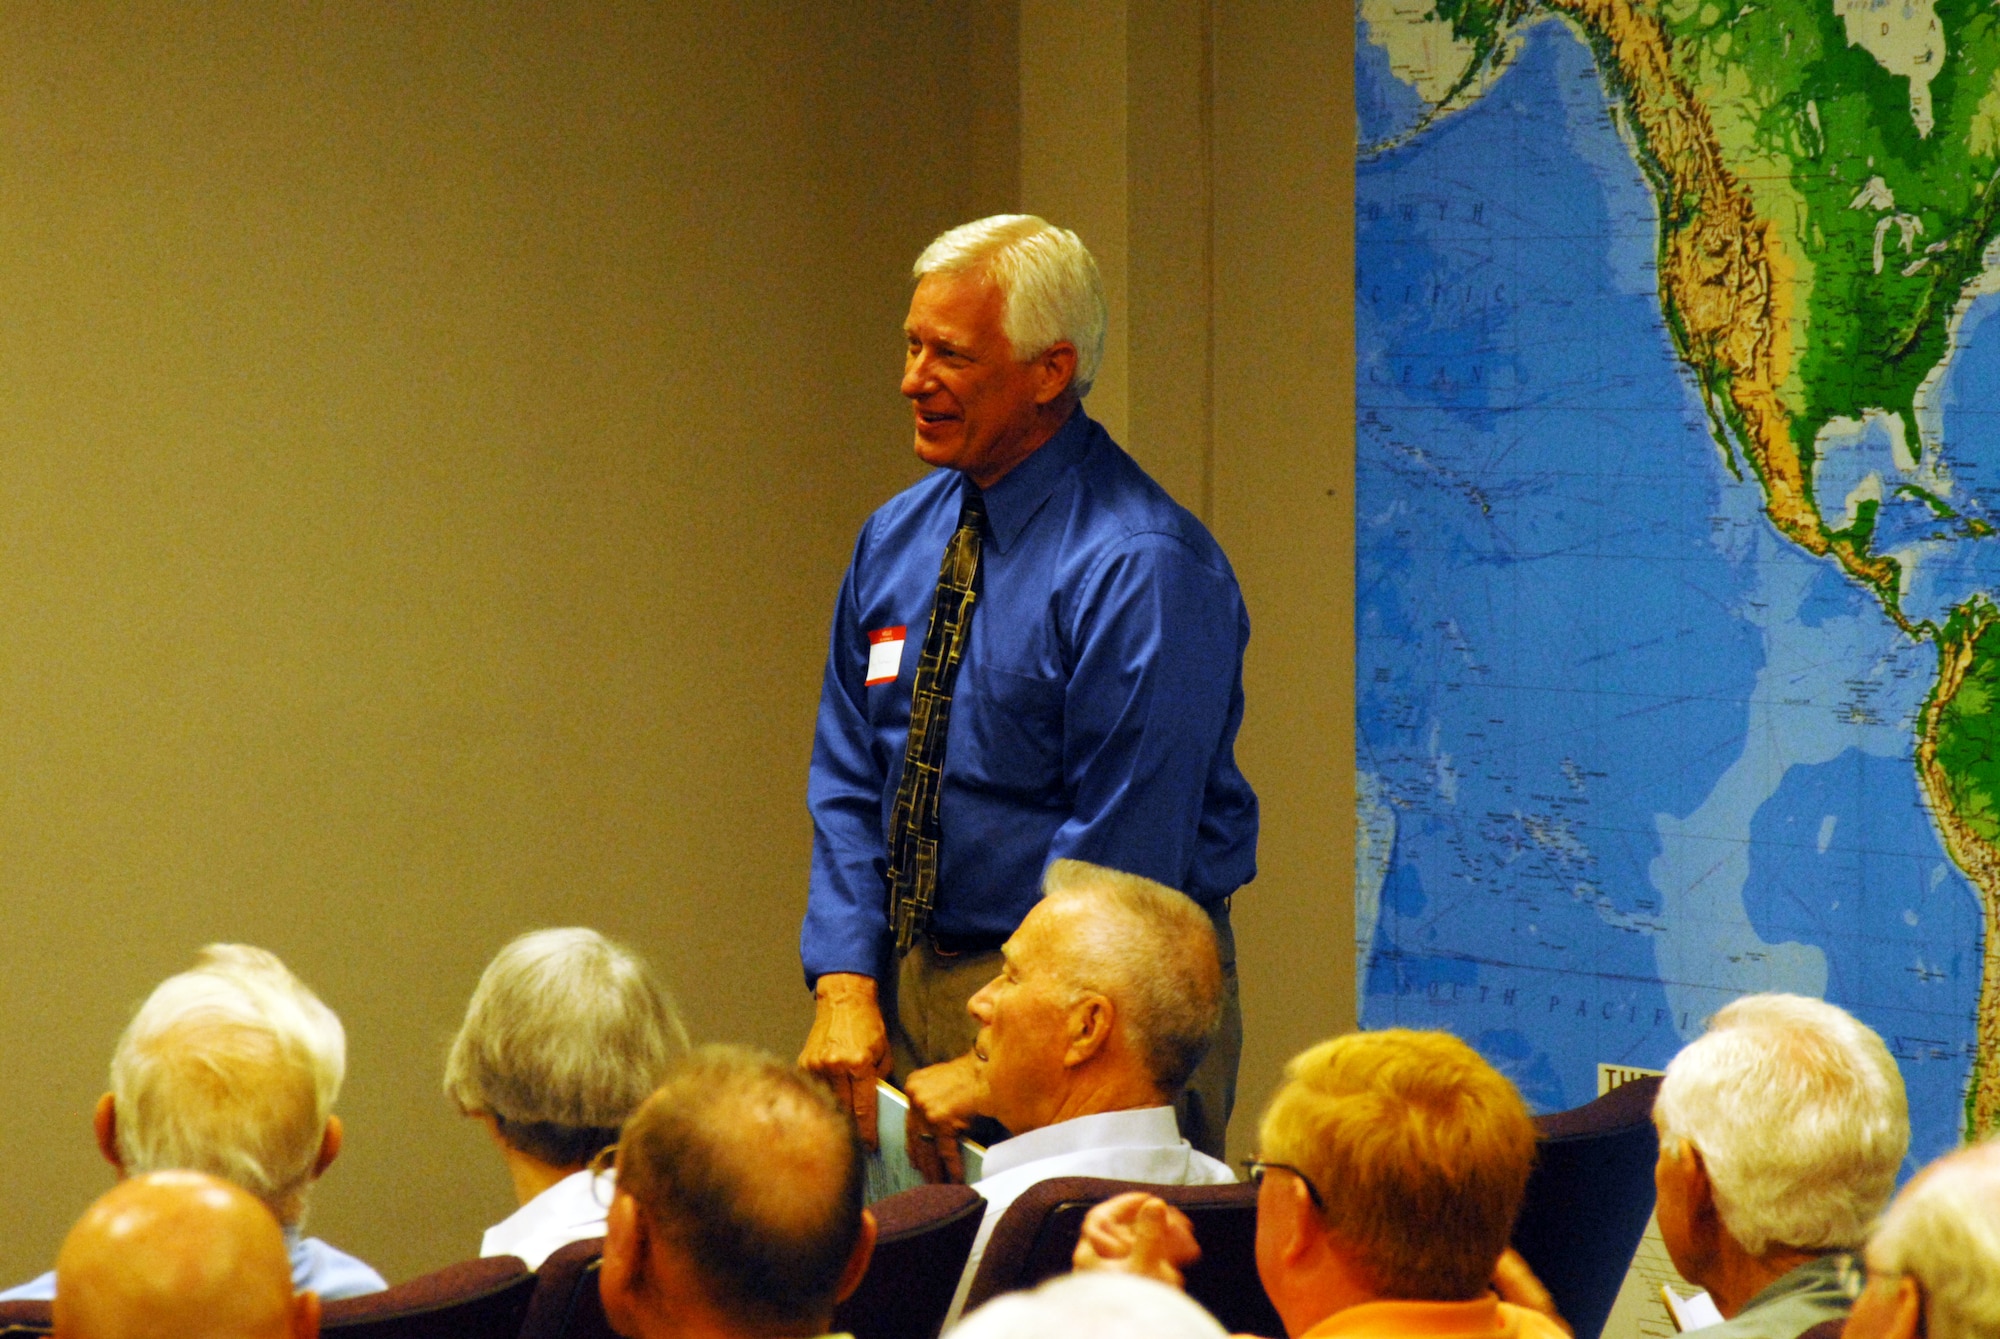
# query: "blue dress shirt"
[[1094, 716], [316, 1267]]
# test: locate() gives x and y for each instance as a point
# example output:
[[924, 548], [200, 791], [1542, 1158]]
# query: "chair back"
[[474, 1299], [1036, 1238], [566, 1304], [1589, 1199], [922, 1239]]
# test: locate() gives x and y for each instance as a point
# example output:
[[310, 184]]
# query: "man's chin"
[[941, 450]]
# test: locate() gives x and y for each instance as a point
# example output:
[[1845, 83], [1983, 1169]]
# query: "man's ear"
[[1908, 1322], [305, 1316], [1300, 1228], [1090, 1022], [1056, 368], [104, 1121], [857, 1263], [621, 1273], [1701, 1205], [329, 1146]]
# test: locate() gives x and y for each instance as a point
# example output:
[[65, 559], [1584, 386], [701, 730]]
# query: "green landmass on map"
[[1825, 173], [1968, 727], [1808, 121]]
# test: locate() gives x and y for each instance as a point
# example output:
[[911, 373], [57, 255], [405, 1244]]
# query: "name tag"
[[885, 655]]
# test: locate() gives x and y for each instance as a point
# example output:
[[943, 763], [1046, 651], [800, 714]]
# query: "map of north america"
[[1678, 581]]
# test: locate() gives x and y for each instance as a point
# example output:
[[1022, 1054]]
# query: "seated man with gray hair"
[[1934, 1260], [1781, 1131], [1107, 998], [231, 1068], [565, 1035]]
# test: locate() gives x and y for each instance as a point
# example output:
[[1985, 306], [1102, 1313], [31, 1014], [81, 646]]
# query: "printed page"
[[890, 1170]]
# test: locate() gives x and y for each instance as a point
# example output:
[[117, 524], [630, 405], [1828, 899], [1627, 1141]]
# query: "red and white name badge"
[[885, 655]]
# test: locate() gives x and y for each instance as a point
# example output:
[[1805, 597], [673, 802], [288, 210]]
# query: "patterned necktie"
[[913, 827]]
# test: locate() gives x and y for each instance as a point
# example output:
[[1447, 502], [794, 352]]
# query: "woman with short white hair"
[[566, 1034]]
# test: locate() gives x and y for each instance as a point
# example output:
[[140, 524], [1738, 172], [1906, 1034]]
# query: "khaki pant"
[[928, 1024]]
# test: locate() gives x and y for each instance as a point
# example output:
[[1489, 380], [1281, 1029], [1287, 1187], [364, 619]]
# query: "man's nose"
[[981, 1004], [917, 378]]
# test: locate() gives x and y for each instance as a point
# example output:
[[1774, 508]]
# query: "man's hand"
[[1516, 1283], [943, 1100], [848, 1046], [1137, 1233]]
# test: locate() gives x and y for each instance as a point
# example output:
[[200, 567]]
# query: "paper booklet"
[[1690, 1313], [891, 1170]]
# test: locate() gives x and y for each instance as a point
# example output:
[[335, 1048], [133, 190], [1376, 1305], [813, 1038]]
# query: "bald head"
[[181, 1254]]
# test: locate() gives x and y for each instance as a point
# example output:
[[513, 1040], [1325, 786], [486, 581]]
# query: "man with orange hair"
[[1393, 1166]]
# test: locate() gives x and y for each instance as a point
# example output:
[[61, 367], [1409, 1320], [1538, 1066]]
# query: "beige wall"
[[1212, 151], [431, 439], [1284, 501], [430, 442]]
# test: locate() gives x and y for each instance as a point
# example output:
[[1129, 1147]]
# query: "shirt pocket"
[[1006, 733]]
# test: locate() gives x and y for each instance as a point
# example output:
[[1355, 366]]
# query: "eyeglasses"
[[1254, 1169], [604, 1165]]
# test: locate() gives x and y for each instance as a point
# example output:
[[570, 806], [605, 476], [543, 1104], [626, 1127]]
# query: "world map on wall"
[[1678, 477]]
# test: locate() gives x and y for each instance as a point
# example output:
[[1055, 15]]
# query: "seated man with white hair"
[[1781, 1131], [565, 1035], [1107, 998], [1101, 1305], [1934, 1260], [231, 1068]]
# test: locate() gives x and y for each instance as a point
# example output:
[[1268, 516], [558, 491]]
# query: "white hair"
[[1944, 1232], [1153, 951], [567, 1029], [230, 1068], [1798, 1111], [1102, 1304], [1050, 289]]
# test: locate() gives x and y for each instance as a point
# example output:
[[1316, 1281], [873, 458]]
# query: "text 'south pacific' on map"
[[1679, 581]]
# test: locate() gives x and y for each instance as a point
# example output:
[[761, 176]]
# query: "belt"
[[958, 946]]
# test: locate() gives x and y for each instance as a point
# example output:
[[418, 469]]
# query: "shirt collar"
[[1822, 1273], [1146, 1127], [1013, 501]]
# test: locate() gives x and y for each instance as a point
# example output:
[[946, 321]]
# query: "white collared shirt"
[[1143, 1145], [572, 1209]]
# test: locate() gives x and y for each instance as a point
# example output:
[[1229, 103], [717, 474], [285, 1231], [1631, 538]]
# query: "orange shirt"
[[1482, 1318]]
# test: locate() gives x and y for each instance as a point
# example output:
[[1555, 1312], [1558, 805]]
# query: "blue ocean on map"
[[1624, 753]]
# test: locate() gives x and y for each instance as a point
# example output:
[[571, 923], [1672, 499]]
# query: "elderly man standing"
[[1077, 636], [738, 1211], [1393, 1166], [232, 1068], [182, 1254], [1106, 998], [565, 1035], [1781, 1130]]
